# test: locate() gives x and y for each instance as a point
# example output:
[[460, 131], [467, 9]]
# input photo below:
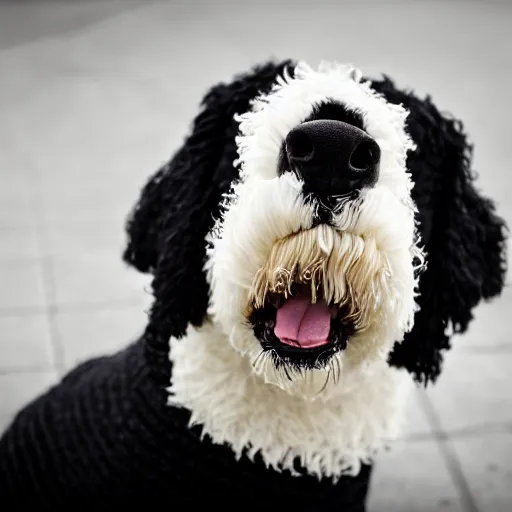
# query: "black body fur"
[[105, 438]]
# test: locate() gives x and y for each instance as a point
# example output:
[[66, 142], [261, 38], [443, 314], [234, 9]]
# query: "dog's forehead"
[[336, 111], [333, 91], [300, 90]]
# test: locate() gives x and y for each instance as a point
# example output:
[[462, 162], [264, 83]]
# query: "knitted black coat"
[[104, 439]]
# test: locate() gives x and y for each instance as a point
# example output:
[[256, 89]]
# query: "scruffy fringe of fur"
[[347, 270], [272, 116]]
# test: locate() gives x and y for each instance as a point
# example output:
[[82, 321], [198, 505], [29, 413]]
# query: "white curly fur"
[[234, 405], [331, 428]]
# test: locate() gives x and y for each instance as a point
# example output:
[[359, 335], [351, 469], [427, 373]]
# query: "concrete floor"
[[95, 94]]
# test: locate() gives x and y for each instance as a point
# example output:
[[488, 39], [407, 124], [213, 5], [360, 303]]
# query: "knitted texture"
[[104, 437]]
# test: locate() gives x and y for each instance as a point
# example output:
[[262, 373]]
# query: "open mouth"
[[300, 329]]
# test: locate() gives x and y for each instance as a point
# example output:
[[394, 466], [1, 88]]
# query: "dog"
[[313, 245]]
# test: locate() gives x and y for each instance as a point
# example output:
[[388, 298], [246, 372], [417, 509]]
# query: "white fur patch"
[[235, 406]]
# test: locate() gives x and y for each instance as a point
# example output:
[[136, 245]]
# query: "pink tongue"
[[301, 323]]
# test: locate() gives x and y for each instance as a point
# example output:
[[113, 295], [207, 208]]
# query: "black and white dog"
[[313, 243]]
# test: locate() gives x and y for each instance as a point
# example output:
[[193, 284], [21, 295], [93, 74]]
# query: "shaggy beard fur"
[[379, 284], [348, 272]]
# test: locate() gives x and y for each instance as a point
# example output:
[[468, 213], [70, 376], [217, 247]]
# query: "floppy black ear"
[[463, 237], [176, 209]]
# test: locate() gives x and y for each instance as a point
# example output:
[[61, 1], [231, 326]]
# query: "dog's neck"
[[235, 406]]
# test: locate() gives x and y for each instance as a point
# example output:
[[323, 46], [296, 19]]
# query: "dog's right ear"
[[463, 236], [178, 205]]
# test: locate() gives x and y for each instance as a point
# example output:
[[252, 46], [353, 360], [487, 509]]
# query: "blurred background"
[[95, 94]]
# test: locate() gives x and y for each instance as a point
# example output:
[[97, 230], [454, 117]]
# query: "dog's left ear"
[[177, 208], [463, 237]]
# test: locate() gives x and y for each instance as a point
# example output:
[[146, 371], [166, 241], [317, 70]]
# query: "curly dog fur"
[[184, 415]]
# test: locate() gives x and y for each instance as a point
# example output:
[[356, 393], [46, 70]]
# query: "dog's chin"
[[301, 332]]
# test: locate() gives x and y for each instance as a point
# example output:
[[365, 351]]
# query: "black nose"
[[332, 157]]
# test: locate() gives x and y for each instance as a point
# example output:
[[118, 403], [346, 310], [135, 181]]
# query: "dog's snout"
[[332, 157]]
